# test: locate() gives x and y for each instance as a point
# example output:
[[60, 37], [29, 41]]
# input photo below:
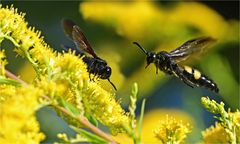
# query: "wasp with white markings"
[[168, 62], [95, 65]]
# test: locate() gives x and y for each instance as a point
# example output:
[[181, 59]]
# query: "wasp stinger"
[[168, 62], [95, 65]]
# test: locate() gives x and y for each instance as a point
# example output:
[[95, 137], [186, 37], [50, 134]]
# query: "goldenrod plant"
[[171, 131], [62, 78], [62, 82], [227, 130]]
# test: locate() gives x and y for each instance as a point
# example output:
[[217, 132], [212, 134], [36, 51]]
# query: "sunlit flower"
[[151, 122], [123, 138], [229, 122], [66, 139], [215, 134], [236, 120], [17, 115], [104, 107], [63, 136], [3, 62], [172, 130], [218, 134], [26, 39], [61, 75]]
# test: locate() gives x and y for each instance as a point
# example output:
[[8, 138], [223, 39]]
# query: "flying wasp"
[[95, 65], [168, 62]]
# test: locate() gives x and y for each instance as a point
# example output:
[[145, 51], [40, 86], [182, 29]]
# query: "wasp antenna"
[[143, 49], [112, 85]]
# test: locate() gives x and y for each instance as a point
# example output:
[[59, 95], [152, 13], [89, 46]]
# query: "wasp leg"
[[89, 72], [95, 77], [174, 68], [178, 72], [156, 70], [90, 77], [184, 79], [187, 82]]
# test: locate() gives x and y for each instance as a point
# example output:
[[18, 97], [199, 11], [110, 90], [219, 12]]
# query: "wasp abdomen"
[[197, 79], [205, 81]]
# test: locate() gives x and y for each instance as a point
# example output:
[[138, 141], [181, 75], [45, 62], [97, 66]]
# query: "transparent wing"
[[68, 27], [75, 33], [81, 40], [190, 47]]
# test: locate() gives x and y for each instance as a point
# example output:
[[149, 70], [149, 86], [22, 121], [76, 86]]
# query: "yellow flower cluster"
[[229, 122], [215, 134], [218, 134], [104, 107], [27, 41], [145, 21], [17, 115], [61, 75], [70, 81], [3, 62], [172, 131], [64, 137]]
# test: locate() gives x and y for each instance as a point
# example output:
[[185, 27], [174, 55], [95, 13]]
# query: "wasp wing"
[[75, 33], [191, 46], [67, 25], [81, 40]]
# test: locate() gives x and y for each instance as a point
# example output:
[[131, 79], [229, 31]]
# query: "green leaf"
[[4, 80], [90, 136], [141, 119], [70, 107], [91, 119]]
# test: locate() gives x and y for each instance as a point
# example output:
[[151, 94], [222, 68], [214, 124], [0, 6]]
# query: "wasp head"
[[105, 72], [151, 58]]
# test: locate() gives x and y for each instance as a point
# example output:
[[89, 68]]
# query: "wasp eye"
[[106, 72], [151, 57], [108, 69]]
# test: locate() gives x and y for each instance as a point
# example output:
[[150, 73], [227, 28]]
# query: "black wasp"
[[95, 65], [168, 62]]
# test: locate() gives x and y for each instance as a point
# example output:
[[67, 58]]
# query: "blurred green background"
[[112, 27]]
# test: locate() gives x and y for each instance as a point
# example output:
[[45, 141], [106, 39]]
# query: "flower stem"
[[11, 75], [84, 121]]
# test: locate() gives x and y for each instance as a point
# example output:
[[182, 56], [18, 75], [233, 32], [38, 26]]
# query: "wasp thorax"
[[151, 57], [163, 56]]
